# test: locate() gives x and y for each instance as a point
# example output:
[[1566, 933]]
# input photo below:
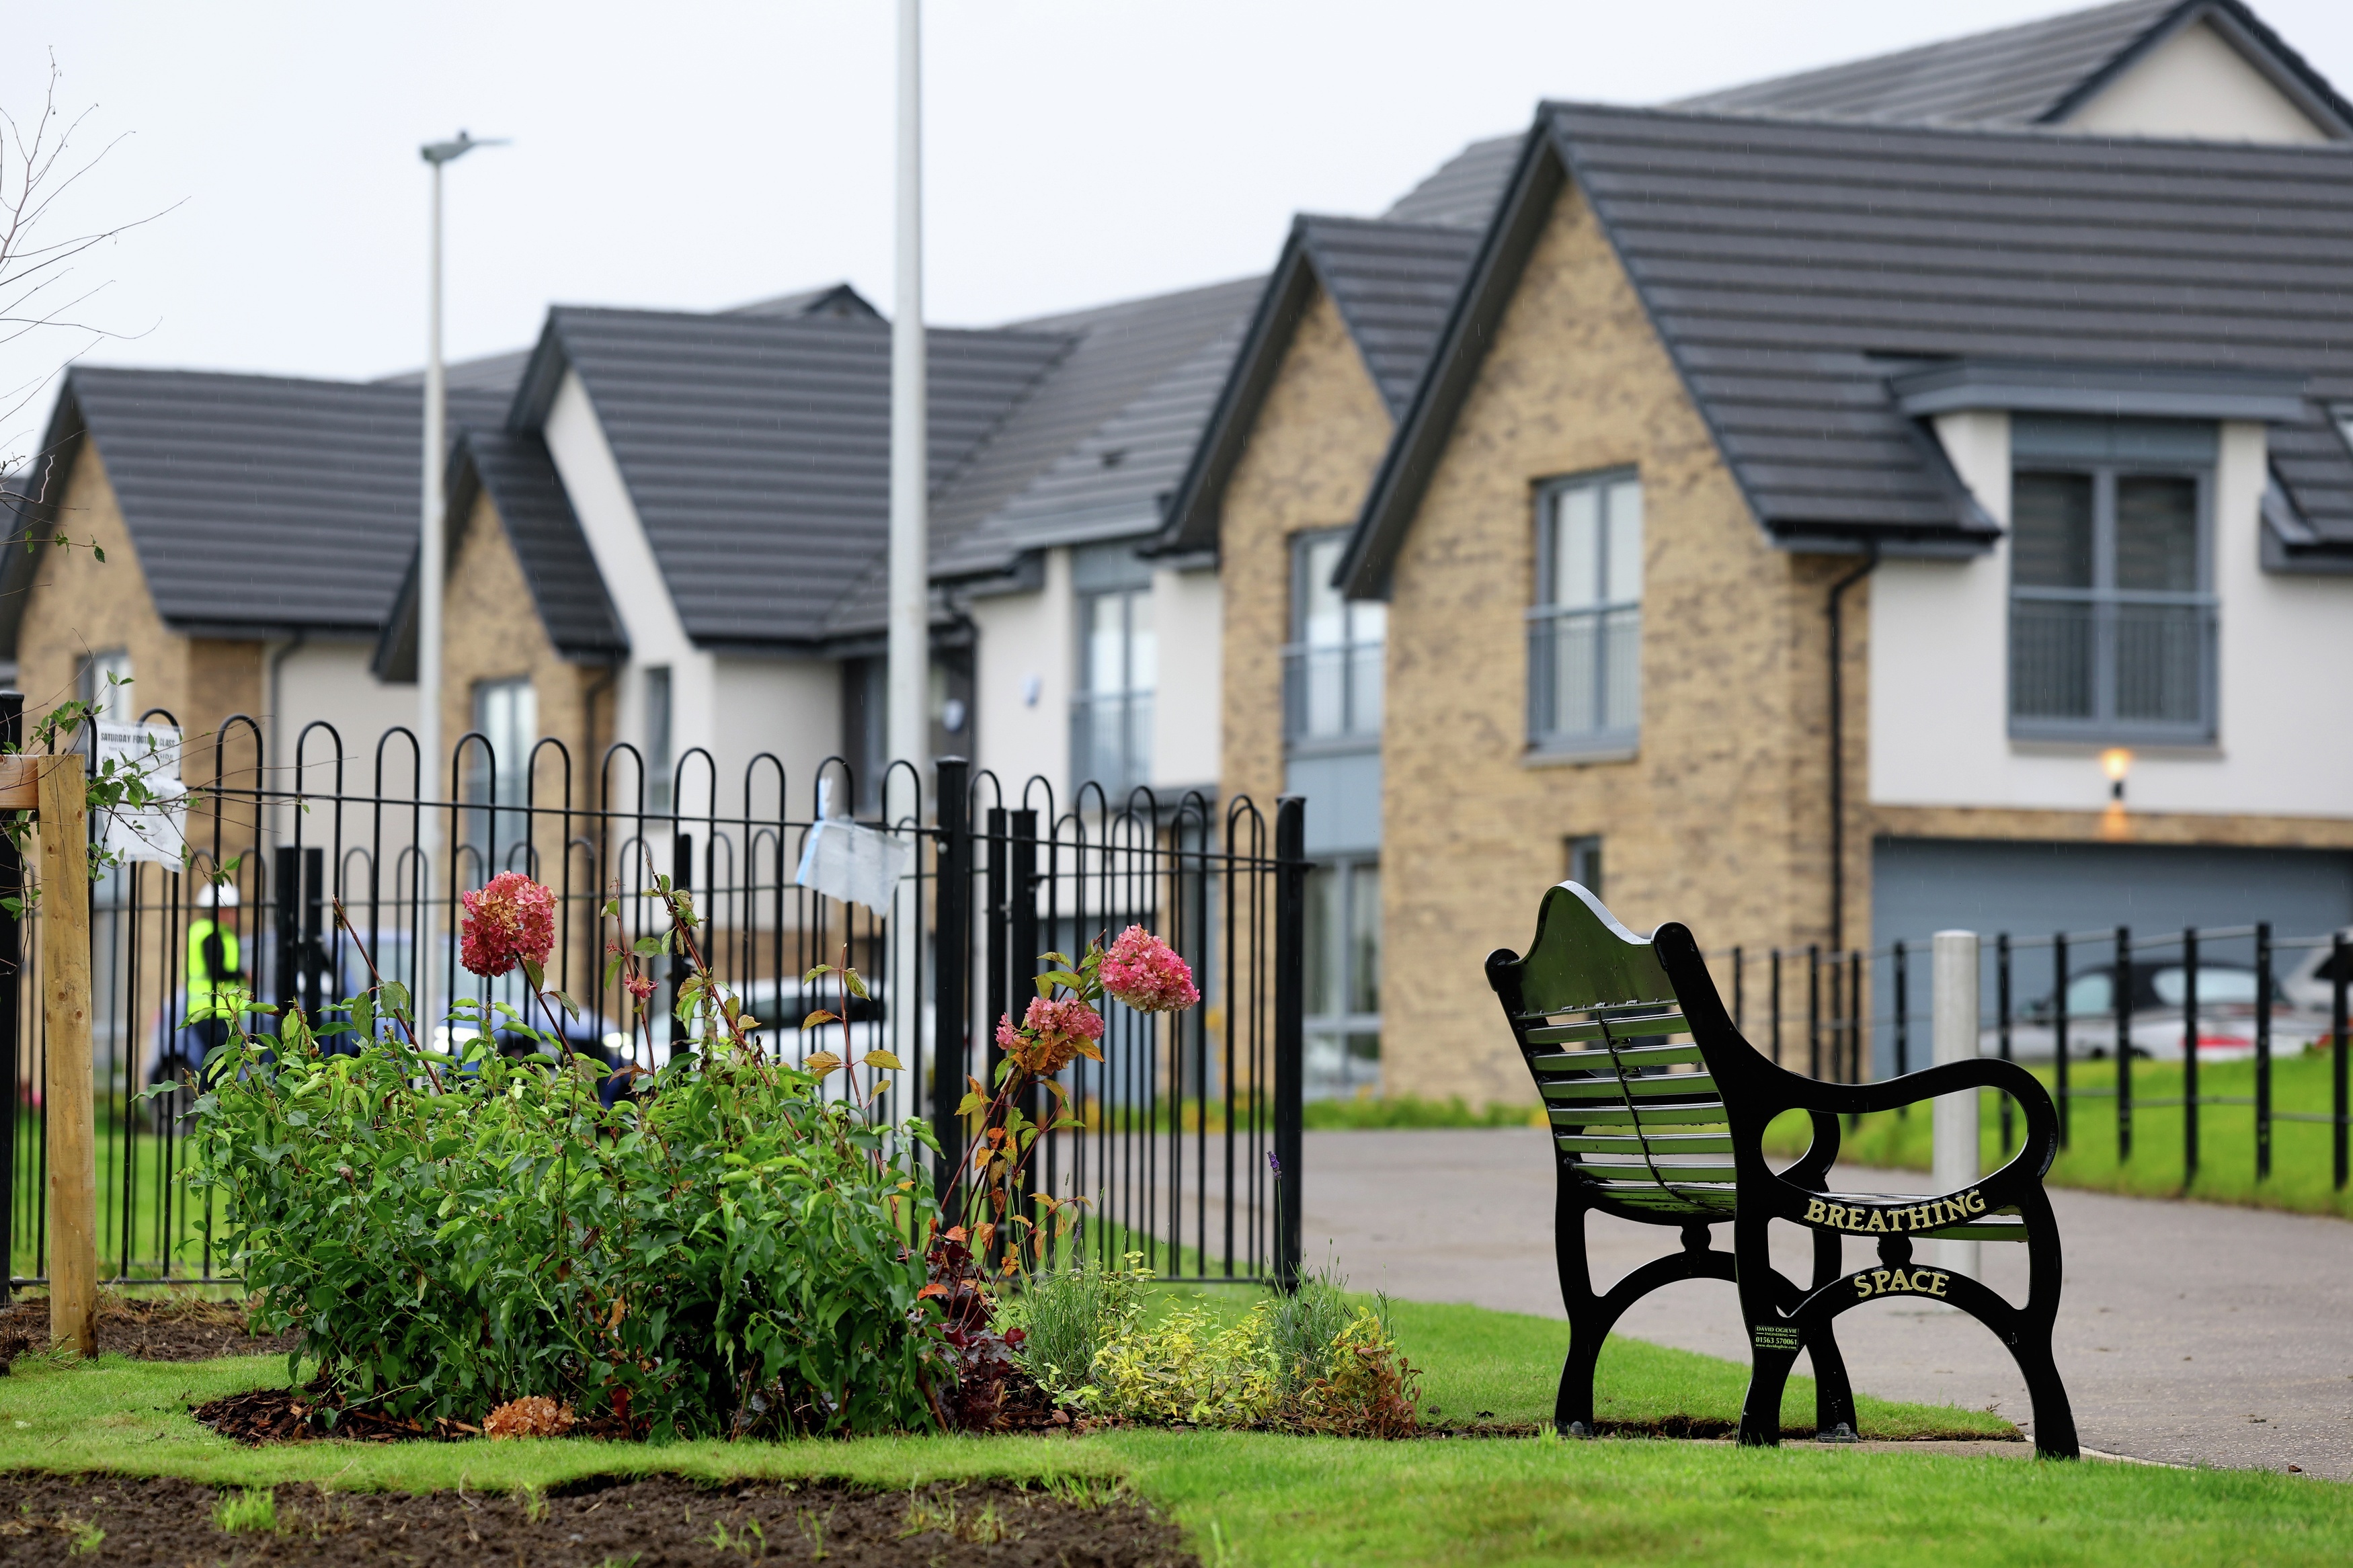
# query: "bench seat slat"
[[1662, 1023], [1676, 1085], [1632, 1171], [1610, 1061], [1634, 1143], [1649, 1116]]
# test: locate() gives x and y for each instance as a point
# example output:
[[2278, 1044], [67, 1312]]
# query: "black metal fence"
[[2197, 997], [1189, 1150]]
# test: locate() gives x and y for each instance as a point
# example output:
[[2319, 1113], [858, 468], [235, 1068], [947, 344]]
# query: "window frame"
[[2103, 598], [1133, 704], [1545, 616], [500, 789], [1344, 878], [1362, 673]]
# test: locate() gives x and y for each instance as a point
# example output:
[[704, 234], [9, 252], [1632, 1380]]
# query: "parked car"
[[2226, 1016], [2310, 984]]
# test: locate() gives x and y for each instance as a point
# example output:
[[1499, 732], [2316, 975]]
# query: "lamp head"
[[440, 152], [2116, 762]]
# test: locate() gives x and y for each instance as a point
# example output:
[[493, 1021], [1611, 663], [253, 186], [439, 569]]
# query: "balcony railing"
[[1585, 688], [1331, 692], [2111, 667]]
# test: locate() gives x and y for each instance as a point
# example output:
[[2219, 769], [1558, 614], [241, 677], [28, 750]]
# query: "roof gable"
[[1792, 269], [1392, 284], [756, 449]]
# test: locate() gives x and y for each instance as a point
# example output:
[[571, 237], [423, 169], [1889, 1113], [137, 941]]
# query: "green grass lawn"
[[2301, 1177], [1257, 1500]]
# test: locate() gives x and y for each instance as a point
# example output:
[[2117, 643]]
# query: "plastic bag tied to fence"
[[844, 860]]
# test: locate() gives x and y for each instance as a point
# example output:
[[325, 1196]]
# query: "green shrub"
[[1303, 1326], [1068, 1315], [730, 1255], [1184, 1369]]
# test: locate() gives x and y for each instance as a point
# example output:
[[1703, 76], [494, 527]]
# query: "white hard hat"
[[220, 894]]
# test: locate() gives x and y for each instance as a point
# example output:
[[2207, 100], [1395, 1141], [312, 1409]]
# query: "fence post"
[[2059, 1030], [1953, 981], [2340, 958], [2189, 1056], [2263, 1050], [65, 1010], [1739, 994], [11, 957], [1290, 1037], [2001, 1024], [951, 961], [998, 1000], [1775, 954], [1859, 1066], [1813, 1009], [1902, 1006], [2120, 998], [681, 877]]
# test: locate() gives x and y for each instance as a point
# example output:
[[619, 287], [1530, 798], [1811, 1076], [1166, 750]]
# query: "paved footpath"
[[2188, 1333]]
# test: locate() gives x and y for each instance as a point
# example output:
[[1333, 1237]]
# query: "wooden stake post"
[[54, 788]]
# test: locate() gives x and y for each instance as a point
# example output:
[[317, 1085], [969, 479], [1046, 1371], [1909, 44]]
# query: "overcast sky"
[[692, 155]]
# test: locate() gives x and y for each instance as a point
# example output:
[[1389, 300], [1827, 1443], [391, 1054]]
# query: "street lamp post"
[[429, 551]]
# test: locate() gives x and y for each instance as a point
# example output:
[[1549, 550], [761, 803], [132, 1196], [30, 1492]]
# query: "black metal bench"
[[1659, 1108]]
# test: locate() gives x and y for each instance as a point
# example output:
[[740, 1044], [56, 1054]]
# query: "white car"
[[2226, 1016]]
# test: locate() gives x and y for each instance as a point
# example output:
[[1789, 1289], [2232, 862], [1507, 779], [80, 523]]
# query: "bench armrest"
[[2037, 1149]]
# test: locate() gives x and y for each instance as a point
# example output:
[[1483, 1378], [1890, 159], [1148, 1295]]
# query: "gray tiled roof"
[[1393, 284], [2014, 76], [258, 504], [756, 448], [2034, 73], [1792, 265], [1095, 454]]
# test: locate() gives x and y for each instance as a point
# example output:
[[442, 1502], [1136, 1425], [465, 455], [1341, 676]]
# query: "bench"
[[1659, 1108]]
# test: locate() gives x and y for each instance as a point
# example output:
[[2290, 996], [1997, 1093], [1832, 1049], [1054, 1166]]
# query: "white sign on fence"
[[156, 832]]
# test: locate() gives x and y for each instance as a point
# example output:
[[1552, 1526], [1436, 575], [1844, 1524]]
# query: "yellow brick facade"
[[491, 631], [1310, 457], [78, 606]]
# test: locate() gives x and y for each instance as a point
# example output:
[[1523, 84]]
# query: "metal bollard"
[[1954, 1000]]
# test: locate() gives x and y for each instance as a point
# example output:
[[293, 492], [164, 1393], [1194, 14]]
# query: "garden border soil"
[[650, 1521], [170, 1328]]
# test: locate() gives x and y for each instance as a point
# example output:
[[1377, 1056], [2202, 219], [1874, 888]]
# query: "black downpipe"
[[1837, 742], [12, 954]]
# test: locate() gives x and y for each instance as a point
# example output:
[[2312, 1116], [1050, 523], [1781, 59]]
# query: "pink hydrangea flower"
[[1050, 1033], [639, 986], [1144, 972], [512, 920]]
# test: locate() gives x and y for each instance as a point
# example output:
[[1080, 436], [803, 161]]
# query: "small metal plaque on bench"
[[1775, 1336]]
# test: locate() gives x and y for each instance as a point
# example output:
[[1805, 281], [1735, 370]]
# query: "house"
[[254, 530], [694, 509], [1747, 545]]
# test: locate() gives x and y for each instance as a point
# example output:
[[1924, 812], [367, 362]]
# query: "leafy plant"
[[1185, 1369], [1368, 1388], [1304, 1325], [1065, 1316], [725, 1254]]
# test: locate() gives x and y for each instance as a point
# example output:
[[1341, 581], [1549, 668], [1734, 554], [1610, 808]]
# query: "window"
[[506, 713], [1584, 862], [2112, 618], [1332, 671], [106, 687], [1585, 633], [1343, 1026], [1111, 714], [661, 761]]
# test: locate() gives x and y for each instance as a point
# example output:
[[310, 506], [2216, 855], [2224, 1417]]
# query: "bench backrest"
[[1634, 1110]]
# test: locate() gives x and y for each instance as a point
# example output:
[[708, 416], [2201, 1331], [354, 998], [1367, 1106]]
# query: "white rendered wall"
[[1186, 711], [2195, 84], [330, 682], [1939, 729], [1021, 728], [790, 708], [585, 461]]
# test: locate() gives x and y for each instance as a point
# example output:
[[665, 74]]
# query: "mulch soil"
[[153, 1523], [169, 1329]]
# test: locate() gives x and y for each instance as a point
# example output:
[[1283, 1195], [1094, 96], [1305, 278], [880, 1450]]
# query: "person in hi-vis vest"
[[216, 976]]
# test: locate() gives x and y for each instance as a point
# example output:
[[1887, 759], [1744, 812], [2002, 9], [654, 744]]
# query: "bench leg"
[[1833, 1395], [1760, 1412]]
